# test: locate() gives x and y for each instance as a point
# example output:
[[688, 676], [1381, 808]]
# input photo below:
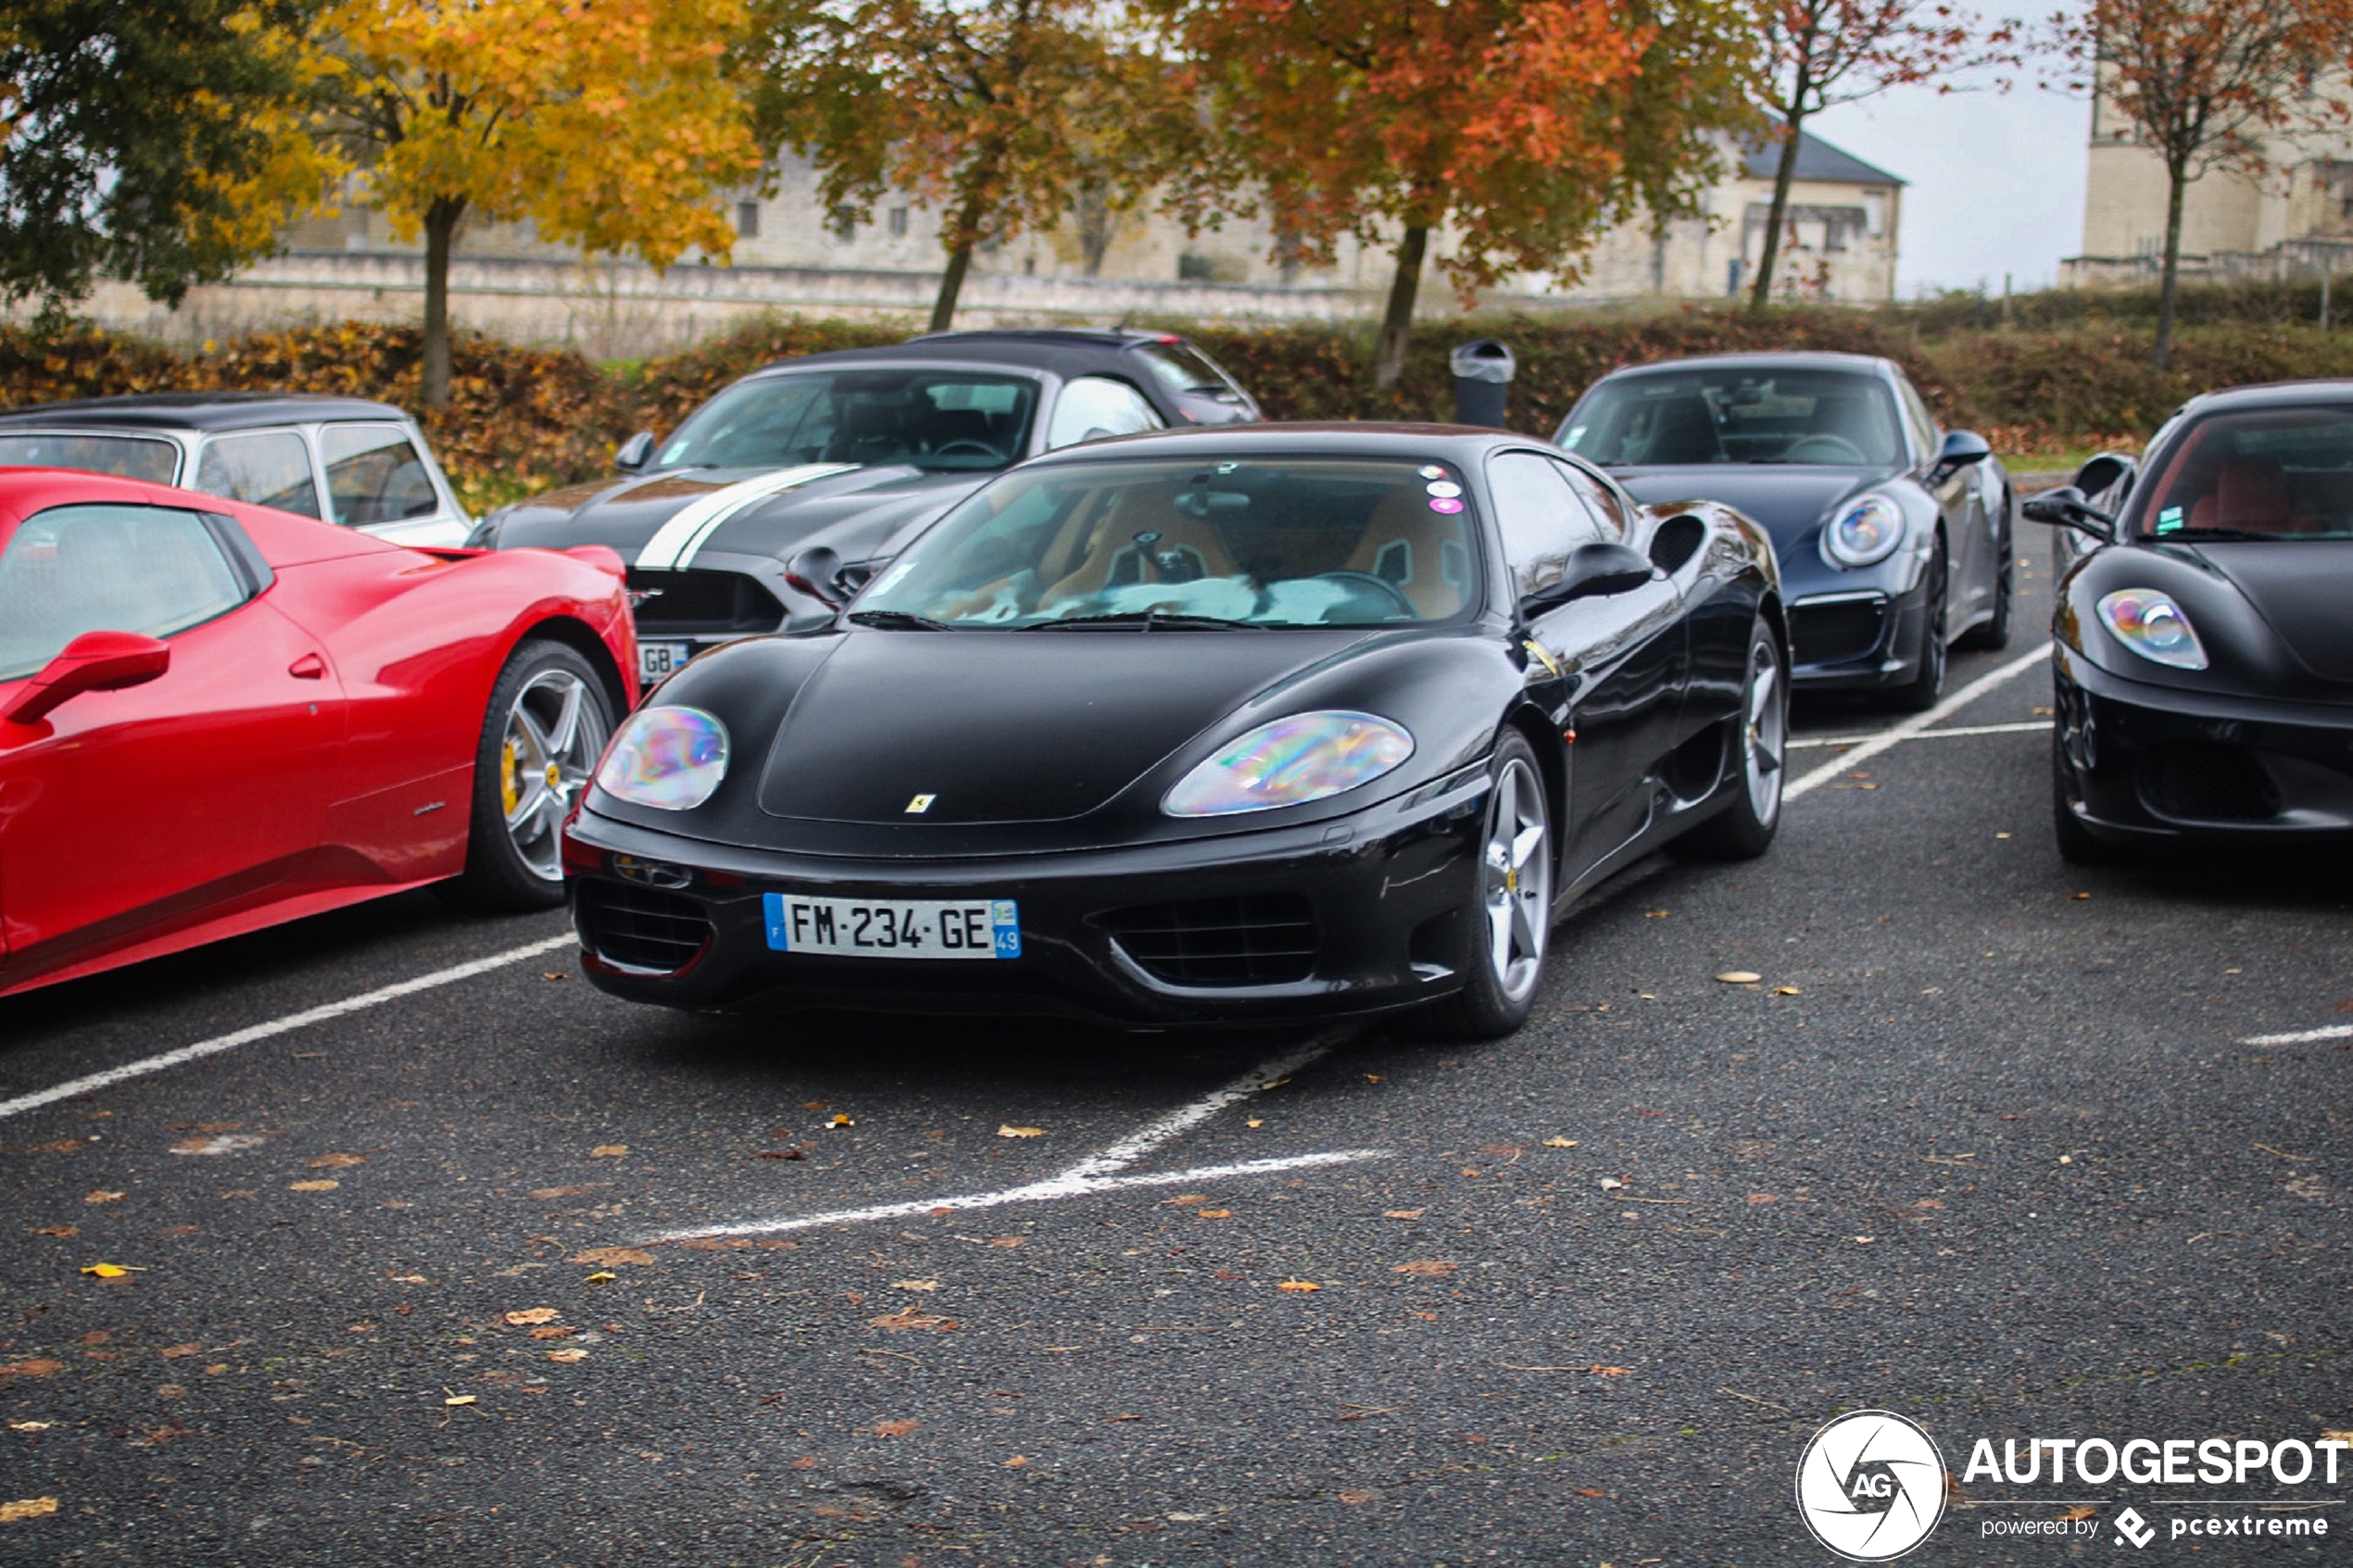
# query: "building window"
[[1195, 269], [898, 222], [843, 221], [747, 220]]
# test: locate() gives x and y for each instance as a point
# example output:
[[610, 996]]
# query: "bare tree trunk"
[[1784, 175], [441, 234], [1389, 359], [2177, 181], [951, 284]]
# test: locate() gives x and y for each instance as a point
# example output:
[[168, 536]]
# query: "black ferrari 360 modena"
[[1894, 535], [854, 451], [1250, 722], [2203, 651]]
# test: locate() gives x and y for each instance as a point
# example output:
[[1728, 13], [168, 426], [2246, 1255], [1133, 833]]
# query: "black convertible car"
[[1895, 536], [1263, 721], [854, 451], [2203, 651]]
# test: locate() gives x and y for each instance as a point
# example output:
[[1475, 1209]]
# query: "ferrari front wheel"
[[1508, 920], [546, 725]]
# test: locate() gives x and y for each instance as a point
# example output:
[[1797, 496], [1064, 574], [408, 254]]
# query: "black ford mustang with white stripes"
[[769, 506]]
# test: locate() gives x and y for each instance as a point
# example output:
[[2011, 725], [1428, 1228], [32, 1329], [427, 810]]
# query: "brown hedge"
[[521, 419]]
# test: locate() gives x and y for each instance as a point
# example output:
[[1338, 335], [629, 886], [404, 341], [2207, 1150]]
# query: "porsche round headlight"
[[1865, 533], [2152, 625], [1306, 756], [670, 758]]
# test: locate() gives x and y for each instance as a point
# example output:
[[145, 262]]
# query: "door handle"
[[309, 667]]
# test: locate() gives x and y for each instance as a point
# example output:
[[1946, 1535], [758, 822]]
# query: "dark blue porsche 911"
[[1895, 536]]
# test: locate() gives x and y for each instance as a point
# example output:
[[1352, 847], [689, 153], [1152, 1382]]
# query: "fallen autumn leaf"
[[1299, 1285], [1007, 1130], [568, 1355], [1740, 977], [533, 1314], [99, 1195], [893, 1428], [1426, 1268], [608, 1256], [324, 1183], [26, 1508], [608, 1152]]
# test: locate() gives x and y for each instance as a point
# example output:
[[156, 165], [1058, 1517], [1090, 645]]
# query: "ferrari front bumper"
[[2141, 763], [1364, 914]]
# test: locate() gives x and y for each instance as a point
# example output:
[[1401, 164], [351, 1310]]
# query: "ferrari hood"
[[663, 521], [1009, 726], [1789, 501], [2298, 587]]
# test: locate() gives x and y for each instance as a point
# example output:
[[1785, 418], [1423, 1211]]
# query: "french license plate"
[[904, 928], [657, 659]]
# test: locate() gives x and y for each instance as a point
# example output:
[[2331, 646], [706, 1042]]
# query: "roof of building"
[[1816, 160], [200, 410]]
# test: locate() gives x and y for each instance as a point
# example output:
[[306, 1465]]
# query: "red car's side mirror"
[[96, 661]]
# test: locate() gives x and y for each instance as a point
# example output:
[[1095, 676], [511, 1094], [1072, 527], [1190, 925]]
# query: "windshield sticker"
[[1443, 487], [2169, 520], [1430, 470], [1446, 504]]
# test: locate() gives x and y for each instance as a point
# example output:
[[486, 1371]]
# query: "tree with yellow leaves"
[[608, 124]]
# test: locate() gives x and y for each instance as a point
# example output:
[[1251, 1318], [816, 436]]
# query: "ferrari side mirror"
[[634, 452], [2065, 507], [1593, 571], [96, 661]]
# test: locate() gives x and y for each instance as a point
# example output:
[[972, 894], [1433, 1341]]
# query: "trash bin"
[[1483, 371]]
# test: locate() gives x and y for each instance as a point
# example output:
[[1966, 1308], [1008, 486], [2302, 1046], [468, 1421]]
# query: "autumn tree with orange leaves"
[[2207, 83], [1000, 114], [608, 124], [1513, 131]]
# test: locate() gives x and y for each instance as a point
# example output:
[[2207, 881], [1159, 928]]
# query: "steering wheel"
[[1382, 585], [1832, 449], [965, 447]]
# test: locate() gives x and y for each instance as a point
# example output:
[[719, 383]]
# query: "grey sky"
[[1997, 181]]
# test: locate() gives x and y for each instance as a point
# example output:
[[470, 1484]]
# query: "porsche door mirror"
[[96, 661], [2102, 472], [634, 452], [817, 571], [1593, 571], [2065, 507], [1961, 448]]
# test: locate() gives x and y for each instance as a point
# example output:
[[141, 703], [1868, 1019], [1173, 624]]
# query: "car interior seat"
[[1419, 552], [1682, 430], [1109, 553], [2249, 492]]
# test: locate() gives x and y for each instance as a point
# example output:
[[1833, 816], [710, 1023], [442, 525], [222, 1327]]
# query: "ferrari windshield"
[[1835, 418], [1162, 543], [931, 419], [2270, 474], [129, 457]]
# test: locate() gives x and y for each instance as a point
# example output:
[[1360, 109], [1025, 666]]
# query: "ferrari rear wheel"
[[549, 719], [1744, 829], [1508, 921]]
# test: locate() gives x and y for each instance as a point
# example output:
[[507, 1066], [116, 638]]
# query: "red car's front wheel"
[[549, 719]]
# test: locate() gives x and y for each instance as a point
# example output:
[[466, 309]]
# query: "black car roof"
[[1064, 351], [2272, 394], [1810, 359], [1460, 445], [200, 410]]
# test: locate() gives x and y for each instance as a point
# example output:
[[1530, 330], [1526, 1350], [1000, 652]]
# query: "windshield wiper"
[[2174, 536], [899, 621], [1149, 620]]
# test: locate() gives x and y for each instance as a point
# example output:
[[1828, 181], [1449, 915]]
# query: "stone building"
[[1099, 265], [2293, 221]]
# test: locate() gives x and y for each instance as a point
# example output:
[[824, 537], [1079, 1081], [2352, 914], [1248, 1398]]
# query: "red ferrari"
[[215, 717]]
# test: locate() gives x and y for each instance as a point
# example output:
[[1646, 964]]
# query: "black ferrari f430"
[[1244, 723], [2202, 651]]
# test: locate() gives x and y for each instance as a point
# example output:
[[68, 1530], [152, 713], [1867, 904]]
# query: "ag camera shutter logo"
[[1870, 1486]]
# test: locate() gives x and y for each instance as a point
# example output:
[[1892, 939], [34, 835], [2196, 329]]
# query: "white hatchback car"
[[341, 460]]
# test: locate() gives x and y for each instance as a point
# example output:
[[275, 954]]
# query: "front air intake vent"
[[2205, 782], [1266, 940], [642, 930], [702, 600]]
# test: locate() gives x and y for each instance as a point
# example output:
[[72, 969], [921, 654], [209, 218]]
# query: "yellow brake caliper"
[[506, 791]]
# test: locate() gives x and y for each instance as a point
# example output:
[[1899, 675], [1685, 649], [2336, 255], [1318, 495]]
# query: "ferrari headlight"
[[1865, 533], [670, 758], [1306, 756], [2152, 625]]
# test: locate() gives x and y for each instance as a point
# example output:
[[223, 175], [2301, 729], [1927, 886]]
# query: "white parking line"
[[1956, 730], [1096, 1173], [292, 1021], [1910, 728], [2302, 1037]]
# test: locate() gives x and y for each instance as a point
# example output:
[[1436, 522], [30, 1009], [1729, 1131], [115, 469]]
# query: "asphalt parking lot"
[[501, 1269]]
